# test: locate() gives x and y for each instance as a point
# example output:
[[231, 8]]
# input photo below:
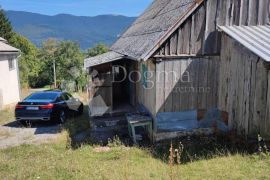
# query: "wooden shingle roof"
[[153, 27], [102, 59]]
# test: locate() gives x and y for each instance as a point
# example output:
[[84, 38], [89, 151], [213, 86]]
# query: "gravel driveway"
[[14, 134]]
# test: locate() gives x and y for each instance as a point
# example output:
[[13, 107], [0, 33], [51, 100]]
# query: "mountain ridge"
[[85, 30]]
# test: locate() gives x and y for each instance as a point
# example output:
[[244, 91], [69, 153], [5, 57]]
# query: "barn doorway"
[[124, 90]]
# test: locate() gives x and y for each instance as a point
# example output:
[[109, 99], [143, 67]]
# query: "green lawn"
[[55, 161]]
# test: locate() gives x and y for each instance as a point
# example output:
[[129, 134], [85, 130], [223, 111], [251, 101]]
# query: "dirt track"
[[14, 134]]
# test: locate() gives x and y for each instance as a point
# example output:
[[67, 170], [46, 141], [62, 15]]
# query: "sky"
[[79, 7]]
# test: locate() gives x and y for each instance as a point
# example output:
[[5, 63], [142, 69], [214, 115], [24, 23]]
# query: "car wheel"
[[80, 110], [62, 117]]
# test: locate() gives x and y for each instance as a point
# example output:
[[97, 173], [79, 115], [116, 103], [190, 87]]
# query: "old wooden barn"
[[201, 62]]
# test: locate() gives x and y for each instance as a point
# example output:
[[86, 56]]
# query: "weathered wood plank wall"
[[199, 35], [185, 84], [195, 46], [146, 92], [243, 89]]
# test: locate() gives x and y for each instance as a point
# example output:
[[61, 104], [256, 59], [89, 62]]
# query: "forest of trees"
[[36, 64]]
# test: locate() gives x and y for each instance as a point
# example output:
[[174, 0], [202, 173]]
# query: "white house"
[[9, 74]]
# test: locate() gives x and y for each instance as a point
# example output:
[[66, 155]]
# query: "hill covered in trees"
[[86, 31], [36, 63]]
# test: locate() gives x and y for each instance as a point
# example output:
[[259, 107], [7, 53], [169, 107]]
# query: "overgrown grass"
[[6, 116], [201, 148], [55, 161]]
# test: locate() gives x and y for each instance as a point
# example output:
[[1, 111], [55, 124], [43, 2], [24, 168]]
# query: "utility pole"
[[54, 73]]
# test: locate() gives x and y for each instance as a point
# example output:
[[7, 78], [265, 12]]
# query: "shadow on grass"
[[203, 147], [78, 127], [41, 127]]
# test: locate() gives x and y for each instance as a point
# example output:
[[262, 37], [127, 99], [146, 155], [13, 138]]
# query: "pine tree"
[[5, 26]]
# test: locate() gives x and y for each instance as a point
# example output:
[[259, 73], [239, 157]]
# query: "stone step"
[[109, 121]]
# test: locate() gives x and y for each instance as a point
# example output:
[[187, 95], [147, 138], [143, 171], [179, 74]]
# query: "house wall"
[[187, 84], [9, 82], [198, 35], [244, 90], [146, 87], [196, 46]]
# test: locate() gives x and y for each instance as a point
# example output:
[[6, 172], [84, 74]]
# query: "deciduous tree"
[[29, 64], [97, 50]]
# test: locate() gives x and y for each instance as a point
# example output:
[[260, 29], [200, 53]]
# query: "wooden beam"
[[184, 56]]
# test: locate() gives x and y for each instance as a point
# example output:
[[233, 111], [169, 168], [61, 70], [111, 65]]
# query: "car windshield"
[[42, 96]]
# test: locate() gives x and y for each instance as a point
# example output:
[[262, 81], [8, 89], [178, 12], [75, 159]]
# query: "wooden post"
[[54, 74]]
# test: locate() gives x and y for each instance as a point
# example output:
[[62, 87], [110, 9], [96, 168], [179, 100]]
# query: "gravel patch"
[[14, 134]]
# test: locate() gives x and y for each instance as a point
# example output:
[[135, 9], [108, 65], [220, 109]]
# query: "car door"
[[61, 102], [71, 102]]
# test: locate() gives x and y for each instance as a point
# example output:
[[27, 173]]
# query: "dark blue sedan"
[[47, 105]]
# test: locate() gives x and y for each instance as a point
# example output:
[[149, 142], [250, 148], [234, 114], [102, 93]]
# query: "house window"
[[11, 64]]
